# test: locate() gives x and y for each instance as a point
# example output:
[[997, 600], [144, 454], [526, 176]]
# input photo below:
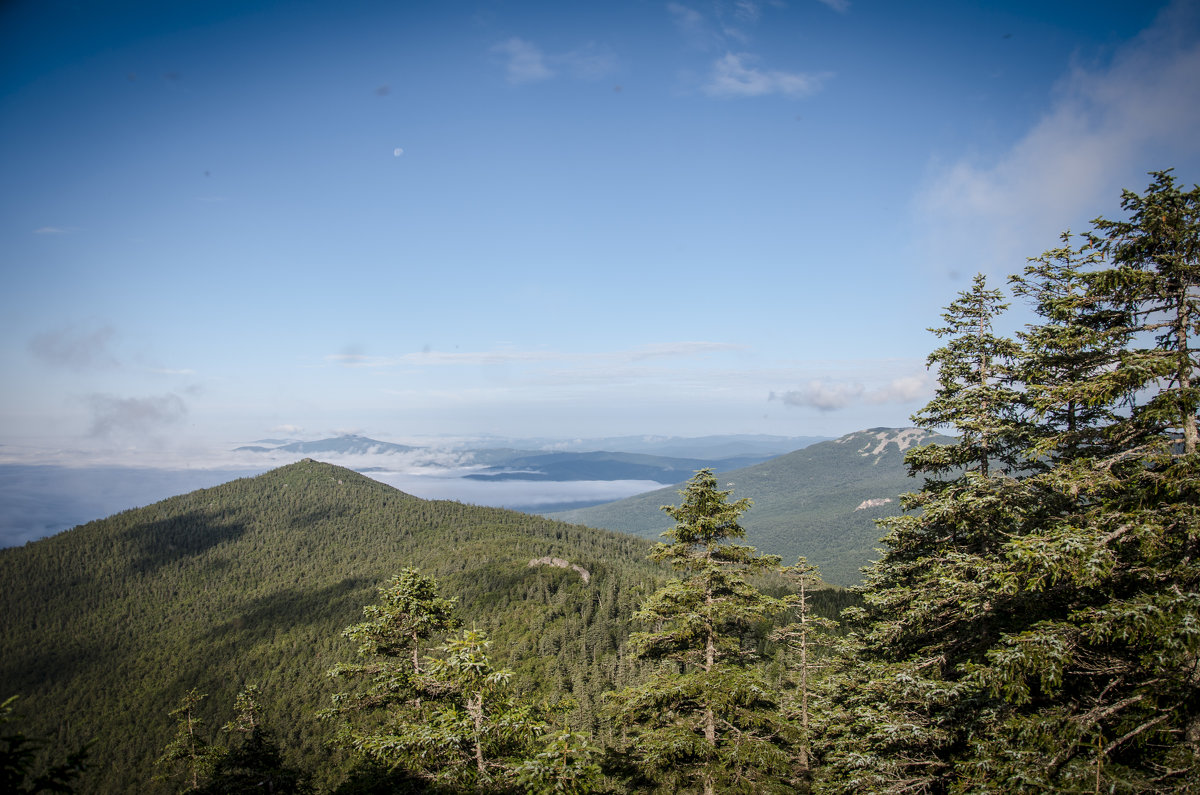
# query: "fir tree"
[[705, 719], [253, 762], [803, 638], [189, 756], [1037, 631], [21, 753]]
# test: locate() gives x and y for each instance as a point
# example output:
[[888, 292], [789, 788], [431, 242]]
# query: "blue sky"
[[222, 221]]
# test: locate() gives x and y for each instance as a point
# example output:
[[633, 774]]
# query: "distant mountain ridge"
[[349, 444], [497, 464], [820, 502], [603, 465]]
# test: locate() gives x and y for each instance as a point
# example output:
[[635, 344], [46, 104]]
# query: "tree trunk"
[[475, 710]]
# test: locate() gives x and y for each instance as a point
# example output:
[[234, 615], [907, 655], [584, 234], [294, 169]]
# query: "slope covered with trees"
[[106, 626], [821, 502]]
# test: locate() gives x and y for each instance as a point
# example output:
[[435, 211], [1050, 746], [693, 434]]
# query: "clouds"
[[664, 350], [734, 75], [827, 396], [525, 62], [112, 415], [1106, 126], [75, 349]]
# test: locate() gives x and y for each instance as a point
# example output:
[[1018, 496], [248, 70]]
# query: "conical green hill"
[[105, 626]]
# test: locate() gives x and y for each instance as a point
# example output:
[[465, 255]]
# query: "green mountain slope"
[[104, 627], [820, 502]]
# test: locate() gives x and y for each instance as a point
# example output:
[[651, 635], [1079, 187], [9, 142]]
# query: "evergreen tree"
[[1156, 278], [20, 755], [469, 732], [1100, 687], [1037, 631], [253, 763], [974, 396], [408, 614], [1067, 358], [803, 638], [705, 719], [188, 757]]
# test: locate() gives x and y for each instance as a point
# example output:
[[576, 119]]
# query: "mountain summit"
[[253, 581]]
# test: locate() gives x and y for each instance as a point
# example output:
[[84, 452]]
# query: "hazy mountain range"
[[524, 474]]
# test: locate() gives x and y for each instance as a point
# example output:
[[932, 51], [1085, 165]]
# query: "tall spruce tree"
[[1101, 691], [189, 757], [1156, 279], [904, 706], [801, 640], [706, 720], [1069, 664]]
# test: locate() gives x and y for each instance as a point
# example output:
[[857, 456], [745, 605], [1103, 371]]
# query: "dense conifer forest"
[[1033, 623]]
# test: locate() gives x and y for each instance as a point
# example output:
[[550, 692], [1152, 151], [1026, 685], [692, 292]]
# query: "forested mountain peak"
[[252, 582]]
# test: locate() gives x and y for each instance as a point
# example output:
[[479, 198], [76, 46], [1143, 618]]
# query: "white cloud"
[[525, 62], [475, 358], [693, 26], [734, 76], [821, 395], [55, 230], [827, 395], [901, 390], [1106, 127], [841, 6]]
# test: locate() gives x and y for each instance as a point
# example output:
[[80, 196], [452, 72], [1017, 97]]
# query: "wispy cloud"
[[827, 395], [112, 414], [475, 358], [74, 348], [589, 62], [694, 26], [735, 75], [56, 230], [524, 62], [290, 430], [841, 6], [1106, 127]]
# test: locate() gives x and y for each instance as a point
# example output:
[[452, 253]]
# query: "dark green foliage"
[[106, 626], [188, 758], [24, 767], [706, 719], [1034, 628], [252, 762]]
